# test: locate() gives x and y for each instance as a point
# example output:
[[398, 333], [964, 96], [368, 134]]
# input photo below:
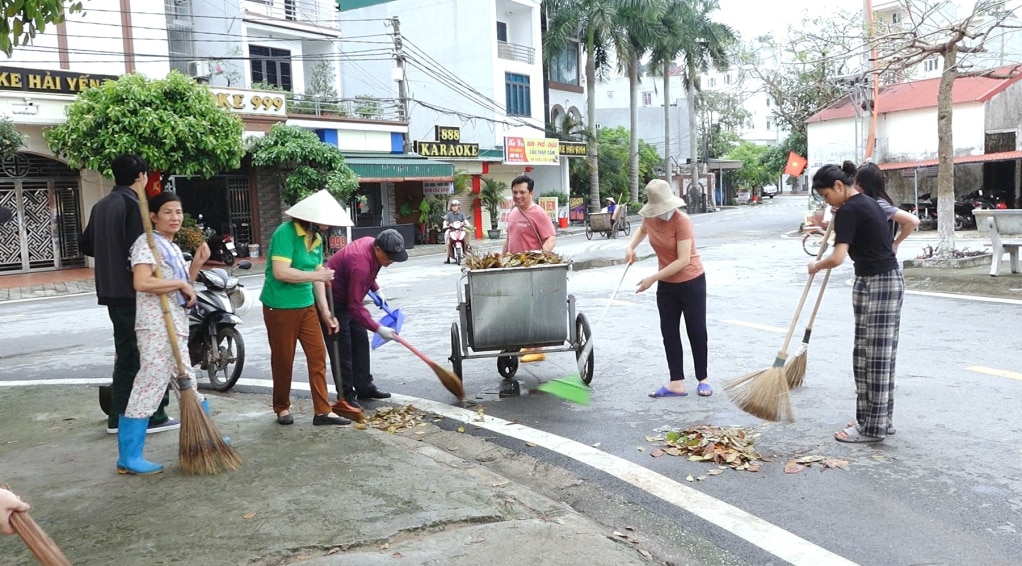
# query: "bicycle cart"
[[606, 223], [504, 310]]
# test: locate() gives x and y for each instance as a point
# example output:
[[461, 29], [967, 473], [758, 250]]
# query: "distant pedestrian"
[[294, 302], [157, 356], [862, 232], [356, 267], [681, 285], [114, 224], [869, 180], [528, 226]]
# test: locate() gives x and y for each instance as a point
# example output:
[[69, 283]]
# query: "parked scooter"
[[214, 344], [457, 233], [926, 209], [221, 246]]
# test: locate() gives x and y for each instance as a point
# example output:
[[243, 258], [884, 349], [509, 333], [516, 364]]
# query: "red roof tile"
[[982, 158], [921, 94]]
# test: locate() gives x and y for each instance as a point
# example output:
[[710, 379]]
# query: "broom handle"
[[35, 538], [816, 307], [168, 320], [805, 292], [411, 348]]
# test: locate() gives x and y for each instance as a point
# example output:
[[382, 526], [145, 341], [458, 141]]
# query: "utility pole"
[[399, 76]]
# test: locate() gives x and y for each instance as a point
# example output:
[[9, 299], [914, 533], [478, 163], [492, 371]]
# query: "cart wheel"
[[456, 351], [628, 227], [589, 232], [507, 365], [584, 335]]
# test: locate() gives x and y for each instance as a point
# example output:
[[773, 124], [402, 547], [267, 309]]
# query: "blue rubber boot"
[[130, 441], [205, 408]]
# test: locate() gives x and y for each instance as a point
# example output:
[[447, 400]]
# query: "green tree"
[[11, 140], [594, 22], [613, 162], [303, 164], [754, 172], [663, 53], [174, 123], [22, 19]]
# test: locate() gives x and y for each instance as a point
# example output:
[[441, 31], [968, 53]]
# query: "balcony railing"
[[515, 52], [315, 12], [363, 107]]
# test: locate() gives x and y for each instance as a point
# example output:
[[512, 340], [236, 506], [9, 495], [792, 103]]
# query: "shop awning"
[[372, 168], [983, 158]]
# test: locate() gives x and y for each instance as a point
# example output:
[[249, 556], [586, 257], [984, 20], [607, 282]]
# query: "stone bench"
[[1005, 229]]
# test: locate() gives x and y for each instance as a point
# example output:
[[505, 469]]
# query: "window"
[[896, 18], [770, 125], [711, 82], [564, 67], [519, 95], [647, 98], [502, 32], [727, 79], [271, 66], [768, 102], [930, 64]]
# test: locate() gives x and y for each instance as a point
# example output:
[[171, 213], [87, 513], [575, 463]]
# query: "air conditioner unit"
[[198, 69]]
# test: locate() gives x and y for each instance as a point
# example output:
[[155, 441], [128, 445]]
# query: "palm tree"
[[705, 44], [638, 20], [664, 51], [594, 23]]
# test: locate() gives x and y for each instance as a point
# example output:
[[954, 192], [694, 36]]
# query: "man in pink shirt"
[[355, 267], [528, 226]]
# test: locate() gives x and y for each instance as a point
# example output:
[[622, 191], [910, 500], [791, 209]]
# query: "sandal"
[[665, 392], [704, 390], [890, 429], [852, 435]]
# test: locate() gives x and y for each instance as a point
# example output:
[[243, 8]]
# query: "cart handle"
[[460, 286]]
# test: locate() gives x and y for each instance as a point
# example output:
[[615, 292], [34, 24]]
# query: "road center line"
[[758, 326], [996, 372], [771, 538]]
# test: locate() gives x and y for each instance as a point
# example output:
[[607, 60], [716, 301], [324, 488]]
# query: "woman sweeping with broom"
[[681, 284], [158, 365], [861, 231]]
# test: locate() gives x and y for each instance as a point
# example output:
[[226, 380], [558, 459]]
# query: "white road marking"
[[966, 297], [996, 372], [758, 326], [771, 538]]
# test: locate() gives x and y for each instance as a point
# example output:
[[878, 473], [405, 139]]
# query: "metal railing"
[[361, 107], [315, 12], [515, 52]]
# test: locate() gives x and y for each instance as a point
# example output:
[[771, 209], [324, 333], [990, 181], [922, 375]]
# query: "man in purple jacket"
[[355, 267]]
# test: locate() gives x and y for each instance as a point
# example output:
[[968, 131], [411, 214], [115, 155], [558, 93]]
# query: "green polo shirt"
[[293, 245]]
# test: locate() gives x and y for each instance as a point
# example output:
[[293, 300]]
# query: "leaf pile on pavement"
[[395, 419], [800, 464], [518, 259], [730, 447]]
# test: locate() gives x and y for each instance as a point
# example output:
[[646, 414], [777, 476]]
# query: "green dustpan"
[[570, 388]]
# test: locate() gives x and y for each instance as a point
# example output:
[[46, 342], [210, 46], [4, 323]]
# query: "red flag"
[[796, 164]]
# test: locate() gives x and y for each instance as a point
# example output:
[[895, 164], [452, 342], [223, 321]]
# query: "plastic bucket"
[[563, 222], [253, 250]]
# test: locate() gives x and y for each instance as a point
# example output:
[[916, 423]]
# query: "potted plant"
[[490, 195]]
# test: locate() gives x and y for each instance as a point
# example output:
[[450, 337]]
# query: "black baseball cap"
[[393, 244]]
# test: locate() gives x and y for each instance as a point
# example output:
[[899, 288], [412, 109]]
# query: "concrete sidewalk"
[[309, 495]]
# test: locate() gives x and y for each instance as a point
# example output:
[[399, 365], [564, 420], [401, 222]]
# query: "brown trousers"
[[285, 328]]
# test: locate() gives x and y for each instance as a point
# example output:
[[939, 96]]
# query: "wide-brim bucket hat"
[[660, 199], [320, 208]]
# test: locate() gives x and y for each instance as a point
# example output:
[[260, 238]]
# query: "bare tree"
[[899, 50]]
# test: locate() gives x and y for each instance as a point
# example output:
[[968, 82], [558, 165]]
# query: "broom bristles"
[[763, 394], [202, 449], [449, 380], [795, 369]]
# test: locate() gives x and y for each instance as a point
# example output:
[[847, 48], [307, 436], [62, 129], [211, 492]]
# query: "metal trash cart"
[[506, 309], [606, 223]]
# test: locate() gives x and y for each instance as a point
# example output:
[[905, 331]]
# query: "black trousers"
[[675, 300], [348, 350]]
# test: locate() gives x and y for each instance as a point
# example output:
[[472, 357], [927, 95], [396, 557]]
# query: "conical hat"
[[320, 208]]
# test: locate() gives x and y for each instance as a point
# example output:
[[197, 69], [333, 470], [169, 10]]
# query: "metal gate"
[[46, 226]]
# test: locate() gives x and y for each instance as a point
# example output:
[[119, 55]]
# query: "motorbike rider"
[[454, 214]]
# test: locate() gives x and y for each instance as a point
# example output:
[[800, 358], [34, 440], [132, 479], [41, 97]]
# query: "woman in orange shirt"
[[681, 290]]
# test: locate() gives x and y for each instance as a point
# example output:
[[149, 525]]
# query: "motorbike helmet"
[[455, 202]]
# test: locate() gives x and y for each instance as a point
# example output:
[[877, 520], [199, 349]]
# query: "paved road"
[[945, 490]]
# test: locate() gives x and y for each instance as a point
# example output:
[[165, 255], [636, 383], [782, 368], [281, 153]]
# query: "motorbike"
[[457, 233], [925, 208], [214, 344], [221, 246]]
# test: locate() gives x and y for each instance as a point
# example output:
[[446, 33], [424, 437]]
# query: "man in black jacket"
[[114, 224]]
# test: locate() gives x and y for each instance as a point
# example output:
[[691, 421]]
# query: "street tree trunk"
[[667, 122], [594, 162], [946, 157], [694, 187], [633, 138]]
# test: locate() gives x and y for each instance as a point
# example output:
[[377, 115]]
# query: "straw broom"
[[38, 542], [765, 393], [447, 379], [795, 369], [202, 449]]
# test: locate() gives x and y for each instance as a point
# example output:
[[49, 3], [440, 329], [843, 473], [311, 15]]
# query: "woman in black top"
[[861, 231]]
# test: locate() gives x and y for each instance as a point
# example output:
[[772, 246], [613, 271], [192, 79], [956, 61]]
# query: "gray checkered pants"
[[876, 301]]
